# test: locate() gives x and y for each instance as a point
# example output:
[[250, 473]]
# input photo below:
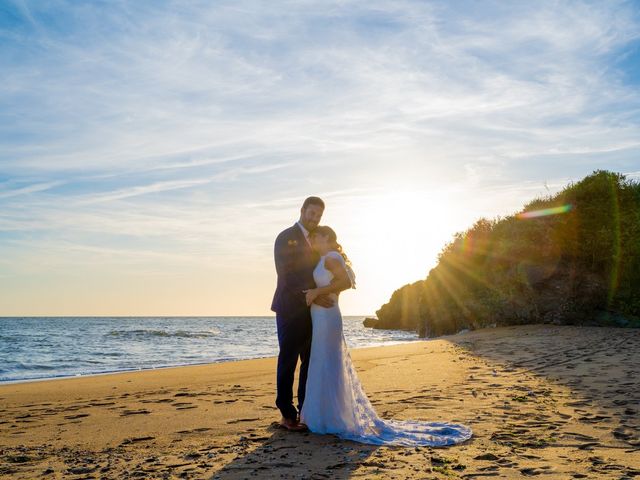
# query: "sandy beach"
[[551, 401]]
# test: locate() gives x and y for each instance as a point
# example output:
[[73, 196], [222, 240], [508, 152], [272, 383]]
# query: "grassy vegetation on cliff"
[[570, 258]]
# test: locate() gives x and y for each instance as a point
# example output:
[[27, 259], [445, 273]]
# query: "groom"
[[295, 262]]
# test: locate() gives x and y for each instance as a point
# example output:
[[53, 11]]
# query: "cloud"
[[37, 187], [164, 186]]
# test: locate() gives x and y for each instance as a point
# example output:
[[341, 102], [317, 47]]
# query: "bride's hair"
[[333, 240]]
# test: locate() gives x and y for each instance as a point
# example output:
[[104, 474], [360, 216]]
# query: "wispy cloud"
[[37, 187], [167, 185]]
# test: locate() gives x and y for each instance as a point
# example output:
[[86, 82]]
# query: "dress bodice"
[[322, 276]]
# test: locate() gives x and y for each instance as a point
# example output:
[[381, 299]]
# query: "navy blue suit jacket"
[[295, 262]]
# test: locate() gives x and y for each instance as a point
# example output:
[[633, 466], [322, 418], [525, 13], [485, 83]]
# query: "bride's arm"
[[340, 282]]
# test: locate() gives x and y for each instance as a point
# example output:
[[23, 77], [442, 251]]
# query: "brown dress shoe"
[[292, 425]]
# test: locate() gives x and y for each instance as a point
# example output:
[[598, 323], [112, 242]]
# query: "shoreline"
[[534, 396], [34, 350], [215, 362]]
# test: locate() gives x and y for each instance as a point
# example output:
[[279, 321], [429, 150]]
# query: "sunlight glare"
[[392, 239]]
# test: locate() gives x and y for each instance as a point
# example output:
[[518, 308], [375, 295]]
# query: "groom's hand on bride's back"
[[324, 301]]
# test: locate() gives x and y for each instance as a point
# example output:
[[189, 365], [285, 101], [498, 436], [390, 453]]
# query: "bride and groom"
[[312, 270]]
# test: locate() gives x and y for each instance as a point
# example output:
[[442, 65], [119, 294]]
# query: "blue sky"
[[151, 151]]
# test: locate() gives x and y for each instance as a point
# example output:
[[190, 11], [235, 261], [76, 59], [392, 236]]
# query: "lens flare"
[[545, 212], [617, 244], [466, 244]]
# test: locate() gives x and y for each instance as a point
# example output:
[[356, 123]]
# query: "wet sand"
[[543, 401]]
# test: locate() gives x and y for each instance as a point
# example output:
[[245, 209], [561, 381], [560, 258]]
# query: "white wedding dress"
[[335, 402]]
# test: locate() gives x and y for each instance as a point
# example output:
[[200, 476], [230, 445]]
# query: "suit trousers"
[[294, 339]]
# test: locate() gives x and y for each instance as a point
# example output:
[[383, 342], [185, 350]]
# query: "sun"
[[392, 239]]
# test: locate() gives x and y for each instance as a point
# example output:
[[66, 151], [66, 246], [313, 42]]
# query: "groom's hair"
[[313, 201]]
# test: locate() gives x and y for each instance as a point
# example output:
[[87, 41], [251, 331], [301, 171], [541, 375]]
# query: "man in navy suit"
[[295, 262]]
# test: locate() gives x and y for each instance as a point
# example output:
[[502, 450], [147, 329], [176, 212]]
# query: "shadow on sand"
[[298, 455], [598, 364]]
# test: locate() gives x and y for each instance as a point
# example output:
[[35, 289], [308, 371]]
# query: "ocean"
[[36, 348]]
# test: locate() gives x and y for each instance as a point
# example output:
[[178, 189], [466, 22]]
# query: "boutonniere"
[[293, 243]]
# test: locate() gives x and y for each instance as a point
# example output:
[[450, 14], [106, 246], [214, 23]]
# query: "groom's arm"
[[324, 301]]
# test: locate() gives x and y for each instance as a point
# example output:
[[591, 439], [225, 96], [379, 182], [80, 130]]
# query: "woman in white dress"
[[335, 402]]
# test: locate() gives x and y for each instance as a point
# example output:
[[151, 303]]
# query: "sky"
[[151, 151]]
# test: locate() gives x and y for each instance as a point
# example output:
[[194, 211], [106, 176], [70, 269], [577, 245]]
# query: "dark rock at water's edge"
[[370, 322], [572, 258]]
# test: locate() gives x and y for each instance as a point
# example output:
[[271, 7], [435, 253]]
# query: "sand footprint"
[[134, 412]]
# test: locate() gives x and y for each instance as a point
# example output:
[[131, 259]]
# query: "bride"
[[335, 402]]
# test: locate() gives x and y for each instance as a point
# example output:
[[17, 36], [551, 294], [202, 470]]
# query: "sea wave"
[[32, 366], [141, 333]]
